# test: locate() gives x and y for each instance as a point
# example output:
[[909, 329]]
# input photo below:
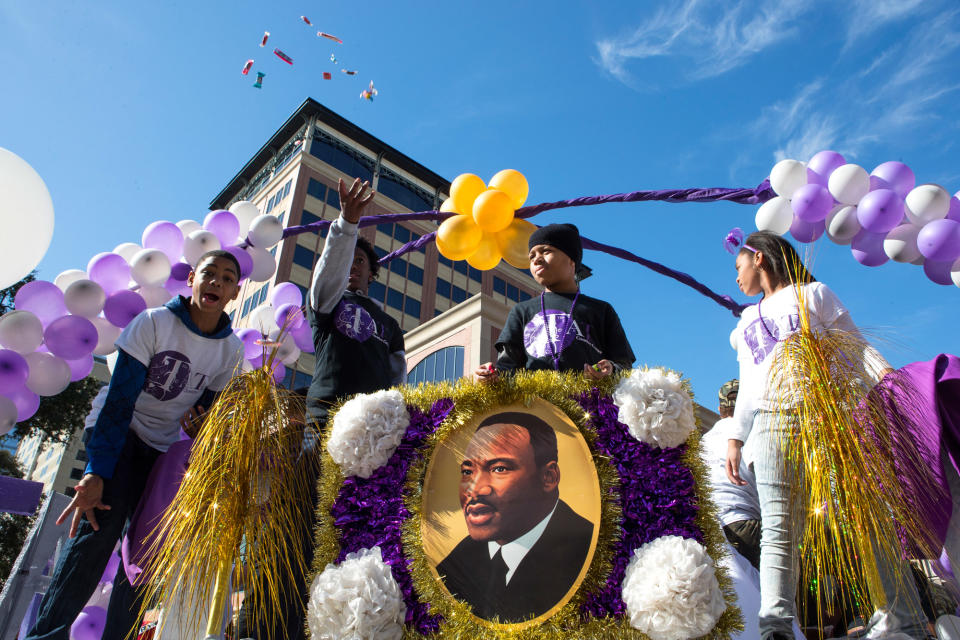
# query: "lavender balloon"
[[71, 337], [303, 338], [122, 307], [278, 370], [822, 164], [286, 293], [953, 213], [805, 231], [811, 202], [80, 368], [880, 211], [165, 236], [89, 624], [289, 316], [246, 262], [177, 283], [110, 271], [26, 401], [939, 240], [14, 370], [895, 176], [43, 299], [249, 338], [867, 248], [938, 272], [224, 225]]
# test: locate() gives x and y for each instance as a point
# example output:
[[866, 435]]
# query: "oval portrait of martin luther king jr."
[[511, 511]]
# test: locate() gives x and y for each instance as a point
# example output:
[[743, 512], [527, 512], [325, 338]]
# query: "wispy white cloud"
[[713, 41], [866, 16]]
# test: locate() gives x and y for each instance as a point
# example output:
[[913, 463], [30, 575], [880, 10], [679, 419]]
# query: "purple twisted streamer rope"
[[761, 193]]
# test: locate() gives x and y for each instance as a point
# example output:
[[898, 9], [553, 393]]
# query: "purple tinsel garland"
[[657, 495]]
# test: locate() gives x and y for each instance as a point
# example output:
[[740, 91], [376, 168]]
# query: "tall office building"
[[294, 176]]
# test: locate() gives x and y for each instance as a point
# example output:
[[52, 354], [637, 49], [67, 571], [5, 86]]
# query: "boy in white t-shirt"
[[171, 359]]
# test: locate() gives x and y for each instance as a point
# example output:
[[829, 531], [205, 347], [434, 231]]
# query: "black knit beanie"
[[565, 237]]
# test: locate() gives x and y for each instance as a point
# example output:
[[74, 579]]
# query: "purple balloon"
[[166, 237], [945, 563], [880, 211], [89, 624], [822, 164], [110, 572], [954, 212], [110, 271], [80, 368], [180, 271], [938, 272], [13, 370], [804, 231], [224, 225], [279, 371], [895, 176], [939, 240], [249, 338], [246, 262], [286, 293], [289, 316], [867, 248], [177, 282], [26, 401], [303, 338], [122, 307], [71, 337], [43, 299], [811, 202]]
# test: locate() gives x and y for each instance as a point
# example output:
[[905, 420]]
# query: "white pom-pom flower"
[[366, 431], [671, 591], [358, 598], [655, 407]]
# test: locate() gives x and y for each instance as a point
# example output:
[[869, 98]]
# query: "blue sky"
[[135, 112]]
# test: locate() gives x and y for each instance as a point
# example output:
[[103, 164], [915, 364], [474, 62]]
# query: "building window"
[[443, 364], [246, 307], [316, 189], [401, 233], [499, 286], [269, 204], [524, 296], [458, 295], [394, 187], [415, 274], [286, 188], [377, 291], [412, 307], [76, 474], [513, 293], [385, 228], [399, 267], [333, 198], [394, 298], [460, 266], [82, 455], [445, 261], [443, 287], [343, 158], [303, 256]]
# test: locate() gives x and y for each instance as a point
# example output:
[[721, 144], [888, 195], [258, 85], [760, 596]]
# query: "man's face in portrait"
[[503, 493]]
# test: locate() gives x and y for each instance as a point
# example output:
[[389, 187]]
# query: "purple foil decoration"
[[657, 495]]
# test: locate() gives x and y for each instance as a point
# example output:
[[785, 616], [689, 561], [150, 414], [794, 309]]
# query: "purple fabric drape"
[[19, 496]]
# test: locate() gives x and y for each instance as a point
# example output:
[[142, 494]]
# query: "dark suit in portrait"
[[541, 580]]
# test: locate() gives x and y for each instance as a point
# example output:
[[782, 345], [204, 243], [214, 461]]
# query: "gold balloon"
[[493, 210], [487, 254], [458, 237], [448, 206], [513, 241], [464, 190], [512, 183]]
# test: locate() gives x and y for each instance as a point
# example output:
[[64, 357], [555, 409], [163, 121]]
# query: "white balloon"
[[245, 211], [26, 217], [849, 183], [901, 243], [127, 250], [8, 415], [20, 331], [264, 264], [787, 176], [154, 296], [288, 351], [265, 231], [107, 335], [84, 298], [150, 267], [919, 261], [49, 375], [198, 243], [842, 224], [955, 272], [112, 361], [189, 226], [926, 203], [262, 319], [775, 215], [68, 277]]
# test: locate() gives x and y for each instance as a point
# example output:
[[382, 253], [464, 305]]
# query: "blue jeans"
[[84, 557], [780, 536]]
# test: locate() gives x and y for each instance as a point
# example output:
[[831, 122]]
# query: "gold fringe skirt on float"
[[245, 487], [860, 487]]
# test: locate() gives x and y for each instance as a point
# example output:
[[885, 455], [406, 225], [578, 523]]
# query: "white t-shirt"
[[160, 341], [758, 335], [734, 502]]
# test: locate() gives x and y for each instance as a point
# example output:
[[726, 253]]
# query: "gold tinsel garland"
[[469, 400]]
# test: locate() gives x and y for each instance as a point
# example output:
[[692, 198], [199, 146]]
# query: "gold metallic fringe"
[[470, 399], [844, 484], [244, 484]]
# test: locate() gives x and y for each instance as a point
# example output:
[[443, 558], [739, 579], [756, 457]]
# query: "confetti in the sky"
[[246, 67], [329, 37], [349, 72], [259, 83], [283, 56], [369, 93], [327, 75], [307, 20], [266, 36], [333, 58]]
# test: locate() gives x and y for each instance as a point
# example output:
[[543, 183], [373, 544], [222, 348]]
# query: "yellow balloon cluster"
[[484, 230]]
